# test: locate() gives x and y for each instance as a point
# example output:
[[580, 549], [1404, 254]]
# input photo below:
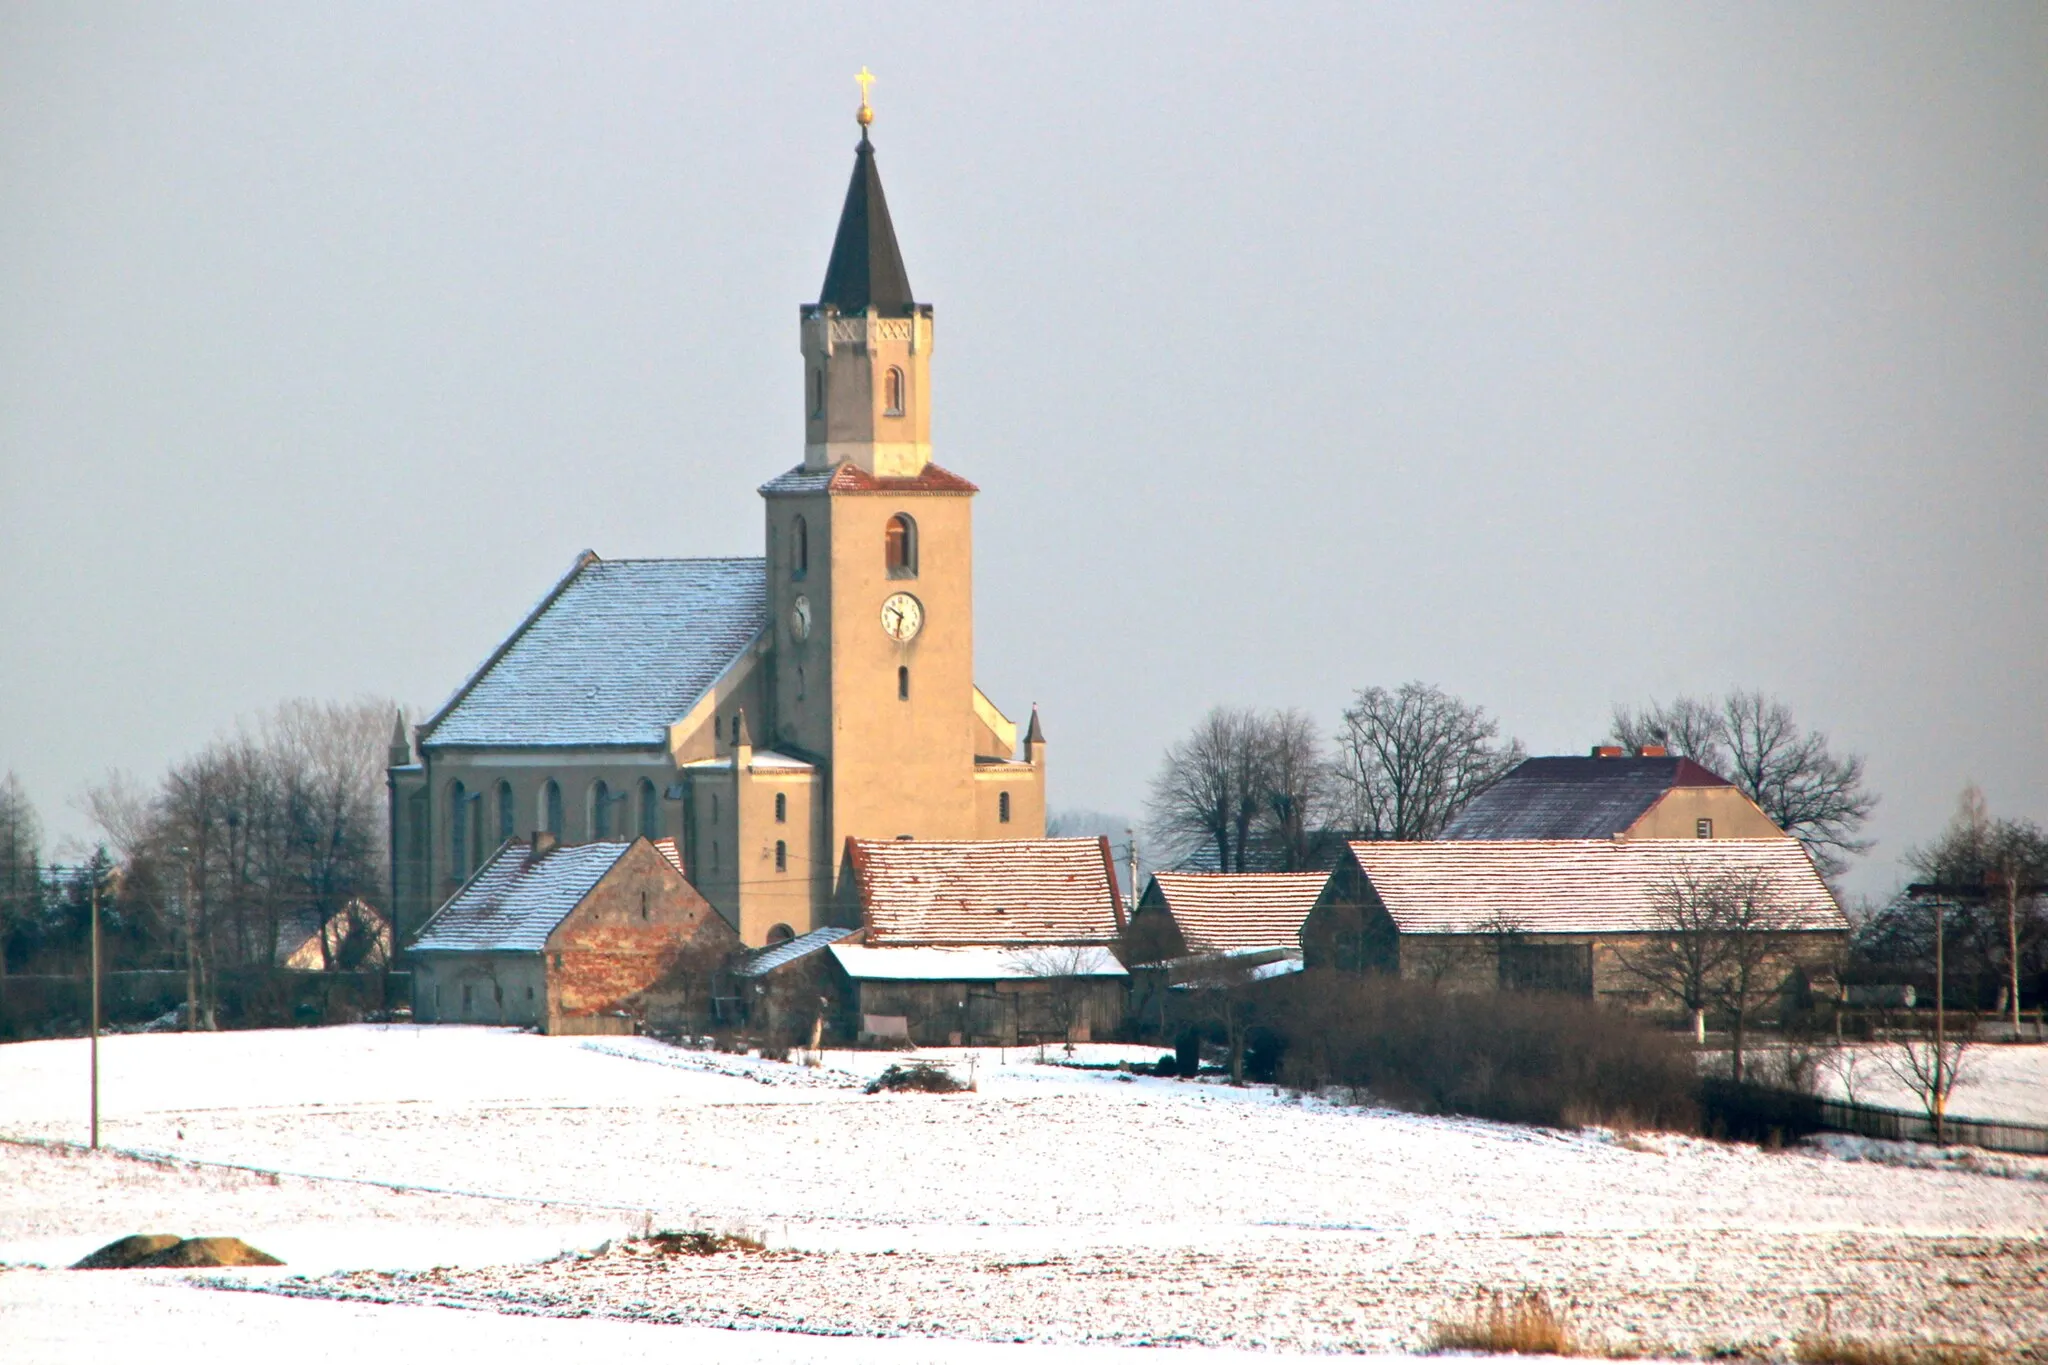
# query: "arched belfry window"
[[899, 546], [892, 393], [551, 808], [799, 548], [508, 813], [650, 810], [601, 811]]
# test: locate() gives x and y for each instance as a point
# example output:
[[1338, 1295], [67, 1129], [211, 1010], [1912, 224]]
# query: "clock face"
[[902, 617], [800, 619]]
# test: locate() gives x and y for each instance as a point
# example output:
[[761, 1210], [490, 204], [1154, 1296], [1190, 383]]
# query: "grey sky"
[[1556, 355]]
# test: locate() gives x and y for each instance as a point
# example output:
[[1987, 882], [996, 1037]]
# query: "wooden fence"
[[1759, 1113]]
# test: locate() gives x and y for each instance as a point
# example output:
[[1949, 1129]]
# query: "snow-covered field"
[[395, 1166], [2005, 1081]]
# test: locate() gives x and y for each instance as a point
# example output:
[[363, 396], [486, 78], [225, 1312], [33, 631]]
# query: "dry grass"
[[1828, 1349], [700, 1243], [1525, 1324], [921, 1076]]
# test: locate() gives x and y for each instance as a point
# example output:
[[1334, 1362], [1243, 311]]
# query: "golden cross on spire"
[[866, 79]]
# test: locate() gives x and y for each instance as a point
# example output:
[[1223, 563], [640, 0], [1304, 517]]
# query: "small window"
[[818, 392], [714, 855], [1703, 828], [799, 548], [892, 393], [458, 830], [899, 547], [551, 808], [714, 808], [508, 814], [903, 683], [529, 992], [781, 933], [781, 856], [781, 808], [643, 905], [799, 682], [1003, 807], [600, 811]]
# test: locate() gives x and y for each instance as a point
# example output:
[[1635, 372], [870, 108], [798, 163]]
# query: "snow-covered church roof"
[[615, 653]]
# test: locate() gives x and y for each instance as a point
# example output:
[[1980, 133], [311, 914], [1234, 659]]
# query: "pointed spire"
[[742, 737], [1036, 734], [866, 269], [400, 752]]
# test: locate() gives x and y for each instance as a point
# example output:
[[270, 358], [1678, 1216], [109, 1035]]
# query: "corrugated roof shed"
[[1220, 912], [515, 901], [619, 650], [1578, 886], [1574, 798], [765, 960], [1023, 891]]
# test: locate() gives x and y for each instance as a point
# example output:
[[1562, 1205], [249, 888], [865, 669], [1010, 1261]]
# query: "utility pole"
[[1131, 836], [93, 872], [1940, 1024]]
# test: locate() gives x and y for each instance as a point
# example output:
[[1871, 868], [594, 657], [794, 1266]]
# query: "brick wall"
[[643, 943]]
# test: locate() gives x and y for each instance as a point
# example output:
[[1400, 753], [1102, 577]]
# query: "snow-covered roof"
[[1580, 886], [619, 650], [974, 964], [1019, 891], [765, 960], [515, 901], [1221, 911]]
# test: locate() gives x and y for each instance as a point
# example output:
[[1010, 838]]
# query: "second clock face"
[[902, 617], [800, 618]]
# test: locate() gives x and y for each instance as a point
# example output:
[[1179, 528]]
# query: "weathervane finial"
[[866, 114]]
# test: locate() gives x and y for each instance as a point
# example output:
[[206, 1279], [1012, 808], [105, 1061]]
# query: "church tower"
[[870, 570]]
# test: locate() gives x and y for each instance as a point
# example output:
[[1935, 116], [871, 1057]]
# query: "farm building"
[[1612, 794], [1567, 915], [576, 938], [781, 990], [1190, 913], [999, 942], [354, 938]]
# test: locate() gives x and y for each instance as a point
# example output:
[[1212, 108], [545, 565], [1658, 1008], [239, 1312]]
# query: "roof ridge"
[[583, 561]]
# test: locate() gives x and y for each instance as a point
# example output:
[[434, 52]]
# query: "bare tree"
[[1409, 761], [1994, 873], [1686, 955], [1218, 990], [1754, 741], [1251, 785], [1068, 971], [1930, 1065]]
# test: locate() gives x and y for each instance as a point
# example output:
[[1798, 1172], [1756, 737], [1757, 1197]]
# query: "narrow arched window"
[[781, 933], [714, 855], [781, 856], [818, 392], [899, 547], [1003, 807], [892, 393], [551, 808], [650, 810], [458, 830], [799, 548], [508, 813], [600, 811], [903, 683], [714, 808], [781, 808]]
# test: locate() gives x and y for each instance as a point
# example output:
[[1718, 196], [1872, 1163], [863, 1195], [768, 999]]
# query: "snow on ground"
[[2007, 1081], [401, 1165]]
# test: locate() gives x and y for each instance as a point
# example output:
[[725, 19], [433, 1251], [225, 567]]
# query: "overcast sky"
[[1556, 355]]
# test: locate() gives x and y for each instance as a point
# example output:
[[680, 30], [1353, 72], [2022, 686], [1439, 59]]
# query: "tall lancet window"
[[799, 548], [899, 547], [892, 393]]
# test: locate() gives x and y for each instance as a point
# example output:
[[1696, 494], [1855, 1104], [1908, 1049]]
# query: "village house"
[[980, 942], [1564, 915], [1612, 793], [587, 938]]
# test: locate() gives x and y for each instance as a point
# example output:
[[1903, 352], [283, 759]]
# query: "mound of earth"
[[128, 1251], [210, 1251]]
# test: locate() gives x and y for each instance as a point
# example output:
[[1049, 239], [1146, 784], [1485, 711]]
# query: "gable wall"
[[1676, 814], [643, 941]]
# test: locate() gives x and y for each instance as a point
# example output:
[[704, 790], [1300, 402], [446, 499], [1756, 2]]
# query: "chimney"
[[1652, 751], [1607, 751], [544, 843]]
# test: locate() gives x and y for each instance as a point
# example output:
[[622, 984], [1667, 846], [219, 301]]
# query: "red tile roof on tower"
[[1579, 886], [848, 477], [1019, 891], [1221, 912]]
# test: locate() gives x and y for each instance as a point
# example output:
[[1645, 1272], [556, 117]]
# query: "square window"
[[1703, 828]]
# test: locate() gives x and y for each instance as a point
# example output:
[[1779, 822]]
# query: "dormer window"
[[892, 393], [899, 547]]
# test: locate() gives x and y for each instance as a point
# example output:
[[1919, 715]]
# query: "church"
[[760, 712]]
